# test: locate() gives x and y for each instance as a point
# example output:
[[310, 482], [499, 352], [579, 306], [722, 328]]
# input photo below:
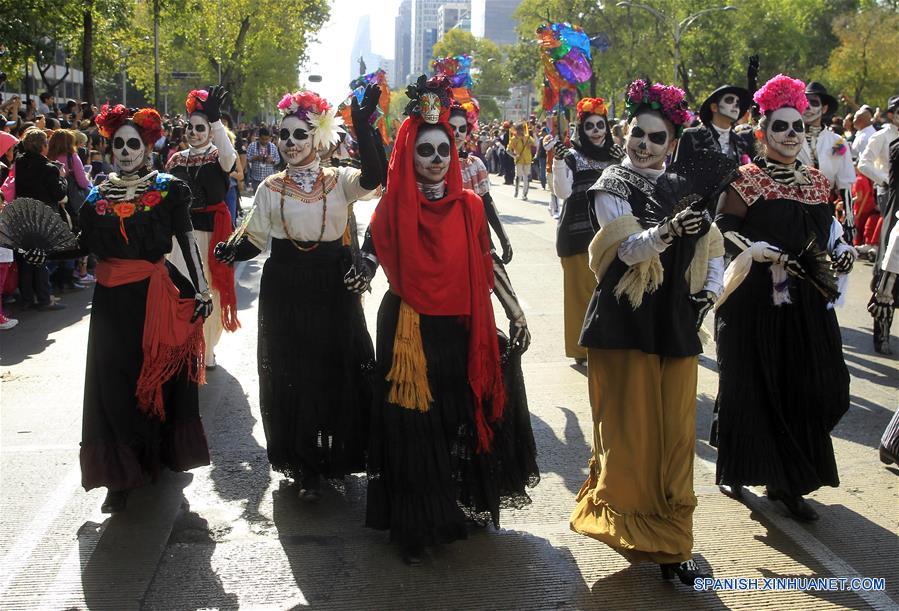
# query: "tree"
[[488, 72], [863, 64]]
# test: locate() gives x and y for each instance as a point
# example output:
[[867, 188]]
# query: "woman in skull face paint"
[[574, 171], [315, 354], [206, 166], [441, 452], [145, 344], [778, 402], [658, 268]]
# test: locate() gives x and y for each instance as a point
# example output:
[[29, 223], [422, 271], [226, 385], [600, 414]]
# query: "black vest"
[[575, 231], [665, 323]]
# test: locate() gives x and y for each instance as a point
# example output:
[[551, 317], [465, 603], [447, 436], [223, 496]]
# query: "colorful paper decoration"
[[381, 119]]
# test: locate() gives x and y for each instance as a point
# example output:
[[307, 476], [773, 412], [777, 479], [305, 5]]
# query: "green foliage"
[[488, 72], [863, 67]]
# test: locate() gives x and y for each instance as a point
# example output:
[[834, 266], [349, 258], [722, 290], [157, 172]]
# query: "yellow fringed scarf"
[[408, 375]]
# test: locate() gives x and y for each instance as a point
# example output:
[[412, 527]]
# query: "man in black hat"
[[718, 114]]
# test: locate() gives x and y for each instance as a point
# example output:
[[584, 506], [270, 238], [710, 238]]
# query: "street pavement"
[[234, 535]]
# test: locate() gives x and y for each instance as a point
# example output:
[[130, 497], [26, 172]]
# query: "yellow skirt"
[[578, 284], [639, 497]]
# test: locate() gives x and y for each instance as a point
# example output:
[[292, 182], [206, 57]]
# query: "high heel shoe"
[[796, 505], [115, 501], [687, 572]]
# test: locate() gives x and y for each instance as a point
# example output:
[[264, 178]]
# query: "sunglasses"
[[298, 134], [654, 137], [426, 149], [120, 143], [782, 126]]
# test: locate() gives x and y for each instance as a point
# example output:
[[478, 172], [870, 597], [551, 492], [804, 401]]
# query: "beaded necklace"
[[320, 180]]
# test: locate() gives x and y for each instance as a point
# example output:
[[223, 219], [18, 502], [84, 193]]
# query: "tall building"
[[451, 15], [493, 19], [362, 49], [423, 30], [402, 45]]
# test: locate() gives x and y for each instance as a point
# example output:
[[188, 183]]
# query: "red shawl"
[[436, 255]]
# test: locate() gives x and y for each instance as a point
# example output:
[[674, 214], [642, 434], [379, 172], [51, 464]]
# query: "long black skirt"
[[121, 447], [315, 360], [783, 386], [425, 479]]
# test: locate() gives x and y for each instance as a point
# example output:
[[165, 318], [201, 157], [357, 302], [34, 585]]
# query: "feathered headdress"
[[145, 120], [314, 110], [779, 92], [591, 106], [426, 93], [667, 99]]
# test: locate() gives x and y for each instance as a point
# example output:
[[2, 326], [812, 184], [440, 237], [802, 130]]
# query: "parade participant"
[[206, 167], [314, 352], [520, 148], [783, 383], [574, 171], [145, 343], [718, 113], [441, 451], [658, 270], [827, 150], [886, 288]]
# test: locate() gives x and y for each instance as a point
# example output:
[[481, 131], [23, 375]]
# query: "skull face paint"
[[430, 107], [595, 129], [729, 106], [198, 131], [128, 150], [815, 110], [432, 155], [649, 140], [460, 130], [785, 133], [294, 140]]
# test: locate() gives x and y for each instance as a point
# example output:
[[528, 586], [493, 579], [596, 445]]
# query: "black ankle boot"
[[310, 489], [687, 572], [115, 501], [735, 491], [797, 505], [887, 458], [412, 554]]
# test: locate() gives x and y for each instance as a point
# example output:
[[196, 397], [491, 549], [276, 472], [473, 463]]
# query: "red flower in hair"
[[149, 124], [110, 119], [195, 100]]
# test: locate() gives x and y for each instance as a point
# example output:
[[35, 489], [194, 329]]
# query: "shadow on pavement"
[[511, 219], [31, 335], [565, 457], [248, 290]]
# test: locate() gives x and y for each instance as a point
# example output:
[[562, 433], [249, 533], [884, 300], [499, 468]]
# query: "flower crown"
[[437, 85], [146, 120], [667, 99], [310, 107], [779, 92], [592, 106], [195, 99]]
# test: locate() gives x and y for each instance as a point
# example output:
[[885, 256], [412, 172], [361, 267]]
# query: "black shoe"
[[412, 554], [115, 501], [887, 458], [883, 348], [687, 572], [797, 505], [310, 489], [580, 362], [733, 491]]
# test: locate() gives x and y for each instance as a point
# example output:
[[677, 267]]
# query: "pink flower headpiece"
[[195, 99], [667, 99], [301, 103], [314, 110], [779, 92]]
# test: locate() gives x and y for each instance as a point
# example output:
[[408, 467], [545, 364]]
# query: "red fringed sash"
[[170, 341], [222, 275]]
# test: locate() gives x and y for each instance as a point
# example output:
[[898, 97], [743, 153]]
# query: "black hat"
[[820, 90], [705, 111], [893, 104]]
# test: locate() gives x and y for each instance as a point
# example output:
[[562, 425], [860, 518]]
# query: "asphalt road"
[[234, 534]]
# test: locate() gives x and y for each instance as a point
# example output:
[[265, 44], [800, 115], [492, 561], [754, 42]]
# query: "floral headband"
[[592, 106], [780, 92], [310, 107], [195, 99], [146, 120], [667, 99]]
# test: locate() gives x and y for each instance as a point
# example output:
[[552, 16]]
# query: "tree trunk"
[[87, 53]]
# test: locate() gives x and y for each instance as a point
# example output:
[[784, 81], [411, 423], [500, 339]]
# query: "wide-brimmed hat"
[[893, 104], [828, 100], [745, 97]]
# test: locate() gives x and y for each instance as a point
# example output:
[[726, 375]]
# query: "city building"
[[402, 46], [493, 19], [451, 15], [423, 34]]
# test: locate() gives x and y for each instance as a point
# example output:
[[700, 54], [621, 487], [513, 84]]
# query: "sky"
[[330, 55]]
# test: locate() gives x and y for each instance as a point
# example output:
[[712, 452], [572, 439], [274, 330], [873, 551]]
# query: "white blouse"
[[303, 207]]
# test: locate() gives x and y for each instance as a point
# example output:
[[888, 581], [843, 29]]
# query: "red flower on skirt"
[[151, 198]]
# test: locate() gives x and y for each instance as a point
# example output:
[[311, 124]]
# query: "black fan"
[[816, 266], [29, 224], [707, 173]]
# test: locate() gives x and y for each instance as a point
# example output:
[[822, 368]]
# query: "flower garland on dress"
[[317, 112], [667, 99]]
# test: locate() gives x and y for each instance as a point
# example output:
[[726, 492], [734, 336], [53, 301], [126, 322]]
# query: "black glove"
[[362, 113], [225, 253], [519, 336], [212, 107], [560, 151], [358, 279], [507, 252], [203, 306], [34, 256], [752, 69], [689, 222], [842, 264], [702, 302]]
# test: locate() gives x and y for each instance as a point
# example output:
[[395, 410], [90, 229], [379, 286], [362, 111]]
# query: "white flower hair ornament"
[[325, 125]]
